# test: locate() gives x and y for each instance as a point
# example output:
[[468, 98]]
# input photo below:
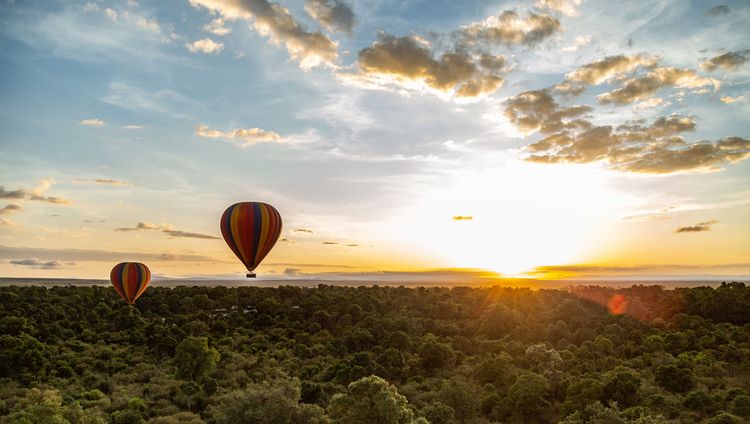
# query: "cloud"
[[718, 11], [245, 136], [37, 264], [580, 270], [643, 87], [463, 218], [566, 7], [131, 127], [729, 61], [85, 255], [580, 41], [8, 222], [510, 28], [330, 242], [105, 181], [148, 24], [272, 20], [569, 136], [537, 110], [9, 209], [217, 27], [730, 99], [605, 70], [304, 230], [352, 245], [205, 45], [111, 14], [186, 234], [93, 122], [699, 227], [36, 193], [408, 60], [292, 271], [657, 148], [334, 15], [166, 228], [140, 226]]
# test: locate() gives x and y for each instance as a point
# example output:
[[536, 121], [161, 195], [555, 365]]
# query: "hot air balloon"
[[251, 229], [130, 280]]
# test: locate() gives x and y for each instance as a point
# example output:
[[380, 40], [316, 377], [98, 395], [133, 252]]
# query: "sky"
[[550, 139]]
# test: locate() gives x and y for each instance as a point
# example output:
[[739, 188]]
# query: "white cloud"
[[217, 27], [93, 122], [730, 99], [148, 24], [205, 45], [246, 136]]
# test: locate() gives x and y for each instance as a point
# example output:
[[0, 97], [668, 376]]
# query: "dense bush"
[[79, 355]]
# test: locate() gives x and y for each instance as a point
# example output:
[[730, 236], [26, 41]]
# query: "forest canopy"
[[328, 354]]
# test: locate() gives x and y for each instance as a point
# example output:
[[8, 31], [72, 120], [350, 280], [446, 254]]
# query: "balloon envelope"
[[130, 280], [251, 230]]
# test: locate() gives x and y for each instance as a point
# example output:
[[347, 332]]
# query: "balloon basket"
[[250, 275]]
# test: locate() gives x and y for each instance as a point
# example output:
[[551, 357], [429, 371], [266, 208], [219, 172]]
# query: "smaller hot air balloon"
[[130, 280], [251, 229]]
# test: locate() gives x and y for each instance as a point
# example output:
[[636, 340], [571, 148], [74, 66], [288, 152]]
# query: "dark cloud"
[[276, 22], [304, 230], [330, 242], [568, 136], [729, 61], [37, 193], [718, 11], [334, 15], [537, 110], [643, 87], [10, 208], [38, 264], [409, 58], [291, 272], [699, 227], [510, 28], [140, 226], [605, 70], [352, 245], [186, 234], [462, 218], [463, 63], [166, 228], [656, 148]]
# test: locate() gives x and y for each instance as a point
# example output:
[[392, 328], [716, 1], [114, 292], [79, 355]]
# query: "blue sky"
[[373, 124]]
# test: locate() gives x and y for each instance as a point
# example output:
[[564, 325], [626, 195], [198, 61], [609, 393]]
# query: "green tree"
[[675, 379], [622, 386], [275, 402], [370, 400], [435, 355], [528, 396], [194, 359]]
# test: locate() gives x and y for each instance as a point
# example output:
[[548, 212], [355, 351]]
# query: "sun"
[[513, 218]]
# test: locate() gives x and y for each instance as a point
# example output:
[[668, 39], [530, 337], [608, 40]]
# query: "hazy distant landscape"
[[301, 282]]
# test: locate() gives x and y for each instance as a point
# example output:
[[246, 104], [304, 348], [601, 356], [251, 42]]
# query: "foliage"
[[79, 355]]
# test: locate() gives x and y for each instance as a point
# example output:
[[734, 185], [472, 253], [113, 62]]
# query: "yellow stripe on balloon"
[[263, 233]]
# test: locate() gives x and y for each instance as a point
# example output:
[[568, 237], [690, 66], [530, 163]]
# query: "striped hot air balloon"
[[251, 230], [130, 280]]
